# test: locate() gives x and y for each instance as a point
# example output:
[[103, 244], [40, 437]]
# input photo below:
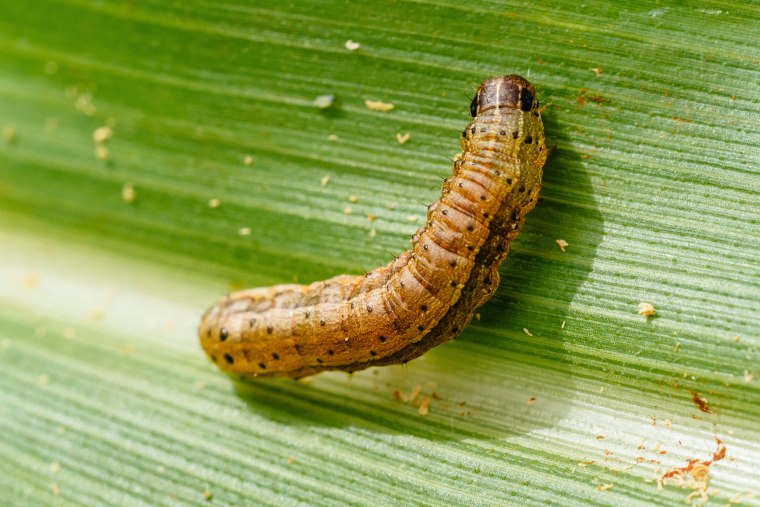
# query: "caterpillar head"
[[505, 92]]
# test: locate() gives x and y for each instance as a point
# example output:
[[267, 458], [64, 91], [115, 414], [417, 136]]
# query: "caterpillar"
[[425, 296]]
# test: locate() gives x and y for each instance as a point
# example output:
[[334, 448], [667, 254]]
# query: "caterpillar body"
[[425, 296]]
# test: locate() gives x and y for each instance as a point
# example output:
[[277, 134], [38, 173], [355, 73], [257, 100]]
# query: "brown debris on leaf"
[[700, 402], [695, 476]]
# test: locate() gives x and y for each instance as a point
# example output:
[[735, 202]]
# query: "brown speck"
[[701, 403], [597, 71], [208, 495], [531, 400]]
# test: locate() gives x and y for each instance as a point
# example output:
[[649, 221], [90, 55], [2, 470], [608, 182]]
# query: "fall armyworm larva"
[[425, 296]]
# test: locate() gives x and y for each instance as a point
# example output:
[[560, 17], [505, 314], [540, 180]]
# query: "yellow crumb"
[[291, 460], [646, 309], [128, 193], [324, 181], [84, 105], [351, 45], [101, 152], [412, 218], [332, 137], [604, 487], [372, 232], [562, 244], [749, 376], [43, 379], [424, 407], [248, 160], [208, 495], [348, 210], [214, 203], [324, 101], [371, 217], [55, 467], [102, 134], [244, 231], [377, 105], [403, 138], [525, 330], [353, 198], [597, 71]]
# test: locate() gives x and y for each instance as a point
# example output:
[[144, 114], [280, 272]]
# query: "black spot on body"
[[319, 360], [208, 333], [445, 212], [472, 130], [423, 308], [528, 140], [229, 359], [330, 352], [321, 322], [483, 129], [503, 132], [470, 227], [270, 329], [452, 263], [372, 353], [515, 134], [223, 334], [521, 189], [252, 322], [420, 328], [474, 106], [262, 366], [275, 356], [369, 309], [381, 339]]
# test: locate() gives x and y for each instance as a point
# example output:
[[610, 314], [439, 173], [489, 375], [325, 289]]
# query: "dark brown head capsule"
[[507, 92]]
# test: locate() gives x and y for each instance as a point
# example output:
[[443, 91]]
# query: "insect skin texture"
[[425, 296]]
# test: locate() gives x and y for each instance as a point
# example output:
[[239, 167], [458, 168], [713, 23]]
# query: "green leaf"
[[560, 393]]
